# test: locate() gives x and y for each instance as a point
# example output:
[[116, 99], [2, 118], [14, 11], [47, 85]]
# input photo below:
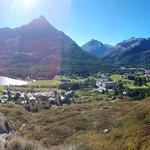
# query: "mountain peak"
[[93, 40], [96, 42], [42, 18], [95, 48], [41, 23]]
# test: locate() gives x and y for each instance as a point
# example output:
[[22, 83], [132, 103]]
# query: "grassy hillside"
[[76, 61], [134, 52], [82, 126]]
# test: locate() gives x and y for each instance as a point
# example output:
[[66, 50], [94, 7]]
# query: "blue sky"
[[109, 21]]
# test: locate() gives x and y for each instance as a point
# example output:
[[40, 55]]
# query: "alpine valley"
[[55, 95]]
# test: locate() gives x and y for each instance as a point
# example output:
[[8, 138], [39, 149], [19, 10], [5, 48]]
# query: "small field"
[[116, 77], [45, 83], [2, 88], [84, 95], [127, 82]]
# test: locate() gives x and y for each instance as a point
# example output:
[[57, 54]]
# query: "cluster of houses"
[[25, 98], [104, 83], [147, 74], [138, 72], [4, 97]]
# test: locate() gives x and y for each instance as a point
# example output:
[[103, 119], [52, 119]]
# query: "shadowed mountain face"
[[40, 51], [96, 48], [133, 52]]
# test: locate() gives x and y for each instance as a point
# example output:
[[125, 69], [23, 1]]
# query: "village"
[[35, 98], [104, 82]]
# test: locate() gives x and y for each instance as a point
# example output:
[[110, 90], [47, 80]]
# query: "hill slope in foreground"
[[121, 125], [38, 50]]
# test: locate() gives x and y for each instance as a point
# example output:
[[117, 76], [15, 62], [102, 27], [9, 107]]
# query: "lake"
[[5, 81]]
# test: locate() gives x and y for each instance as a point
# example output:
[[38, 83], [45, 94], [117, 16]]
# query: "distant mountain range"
[[40, 51], [96, 48], [134, 52]]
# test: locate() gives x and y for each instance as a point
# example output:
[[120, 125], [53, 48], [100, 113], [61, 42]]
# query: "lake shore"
[[6, 81]]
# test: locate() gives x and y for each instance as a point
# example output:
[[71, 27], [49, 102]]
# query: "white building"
[[109, 85]]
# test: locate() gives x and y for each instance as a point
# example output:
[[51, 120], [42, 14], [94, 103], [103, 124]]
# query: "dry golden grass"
[[82, 126]]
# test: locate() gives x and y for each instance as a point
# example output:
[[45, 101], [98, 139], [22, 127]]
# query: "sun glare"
[[28, 3]]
